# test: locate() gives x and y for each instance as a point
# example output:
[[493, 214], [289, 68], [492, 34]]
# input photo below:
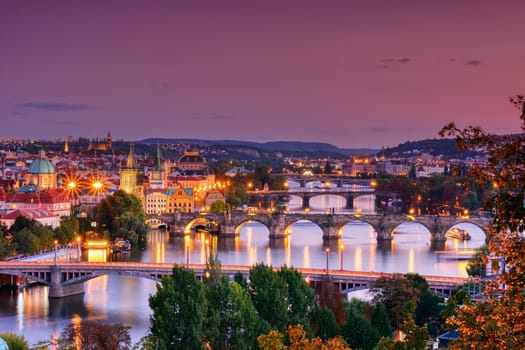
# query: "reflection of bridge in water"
[[67, 279], [331, 225]]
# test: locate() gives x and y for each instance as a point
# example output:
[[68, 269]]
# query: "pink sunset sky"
[[350, 73]]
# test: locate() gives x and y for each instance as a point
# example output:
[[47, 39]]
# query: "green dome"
[[3, 345], [41, 165]]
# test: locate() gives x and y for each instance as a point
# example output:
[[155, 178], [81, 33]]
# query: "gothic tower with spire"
[[131, 177], [157, 175]]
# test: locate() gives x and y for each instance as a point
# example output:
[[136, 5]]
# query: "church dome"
[[191, 157], [41, 165], [3, 345]]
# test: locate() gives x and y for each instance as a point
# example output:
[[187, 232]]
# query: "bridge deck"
[[162, 269]]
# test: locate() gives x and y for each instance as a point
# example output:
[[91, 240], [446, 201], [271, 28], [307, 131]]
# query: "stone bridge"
[[339, 180], [331, 225], [269, 199]]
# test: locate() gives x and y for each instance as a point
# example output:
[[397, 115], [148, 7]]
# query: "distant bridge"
[[331, 225], [268, 199], [338, 180], [67, 279]]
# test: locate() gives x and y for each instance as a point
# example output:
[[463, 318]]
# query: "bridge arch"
[[42, 278], [289, 223], [240, 224]]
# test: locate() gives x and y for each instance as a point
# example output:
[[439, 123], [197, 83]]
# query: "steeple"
[[132, 163], [158, 161]]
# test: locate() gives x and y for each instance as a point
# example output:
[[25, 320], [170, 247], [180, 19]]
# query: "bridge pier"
[[278, 226], [177, 229], [306, 202], [227, 230], [350, 202], [57, 289]]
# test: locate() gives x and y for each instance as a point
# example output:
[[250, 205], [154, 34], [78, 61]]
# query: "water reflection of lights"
[[76, 321], [358, 258], [411, 260], [97, 255], [268, 255], [306, 256]]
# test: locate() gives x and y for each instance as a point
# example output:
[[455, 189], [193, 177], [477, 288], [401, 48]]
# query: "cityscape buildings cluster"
[[48, 186]]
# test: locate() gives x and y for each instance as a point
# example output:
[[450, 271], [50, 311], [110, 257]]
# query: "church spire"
[[158, 160], [132, 163]]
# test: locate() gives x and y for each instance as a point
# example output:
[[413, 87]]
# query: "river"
[[115, 299]]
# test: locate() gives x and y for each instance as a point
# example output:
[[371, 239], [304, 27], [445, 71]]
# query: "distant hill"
[[284, 147], [445, 147]]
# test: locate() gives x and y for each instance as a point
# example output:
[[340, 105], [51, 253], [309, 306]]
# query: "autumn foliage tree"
[[498, 321], [296, 339]]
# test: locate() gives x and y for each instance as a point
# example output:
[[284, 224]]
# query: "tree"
[[269, 295], [178, 307], [330, 297], [359, 332], [66, 231], [328, 168], [398, 295], [232, 322], [15, 342], [300, 297], [26, 242], [219, 207], [298, 340], [122, 215], [324, 324], [498, 322], [380, 320], [428, 304], [90, 335]]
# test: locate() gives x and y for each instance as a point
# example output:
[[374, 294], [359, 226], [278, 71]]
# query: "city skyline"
[[352, 74]]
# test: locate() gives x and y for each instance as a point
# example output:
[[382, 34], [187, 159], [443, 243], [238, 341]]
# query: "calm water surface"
[[125, 299]]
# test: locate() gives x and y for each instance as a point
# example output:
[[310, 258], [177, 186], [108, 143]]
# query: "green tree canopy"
[[269, 294], [178, 310], [398, 295]]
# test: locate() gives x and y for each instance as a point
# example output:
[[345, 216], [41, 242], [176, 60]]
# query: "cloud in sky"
[[403, 60], [473, 62], [214, 117], [54, 106]]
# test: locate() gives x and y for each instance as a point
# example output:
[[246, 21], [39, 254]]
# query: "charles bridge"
[[279, 224]]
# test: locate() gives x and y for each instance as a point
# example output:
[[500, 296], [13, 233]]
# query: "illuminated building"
[[42, 172], [180, 200], [131, 177]]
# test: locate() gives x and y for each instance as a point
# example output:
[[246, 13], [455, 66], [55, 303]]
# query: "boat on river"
[[121, 245], [458, 254], [458, 233]]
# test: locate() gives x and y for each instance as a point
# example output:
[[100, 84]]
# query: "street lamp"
[[207, 248], [79, 252], [187, 253], [55, 249], [341, 247], [327, 250]]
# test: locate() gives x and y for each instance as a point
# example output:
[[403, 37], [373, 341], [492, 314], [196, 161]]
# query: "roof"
[[450, 335], [3, 345], [41, 165], [29, 213]]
